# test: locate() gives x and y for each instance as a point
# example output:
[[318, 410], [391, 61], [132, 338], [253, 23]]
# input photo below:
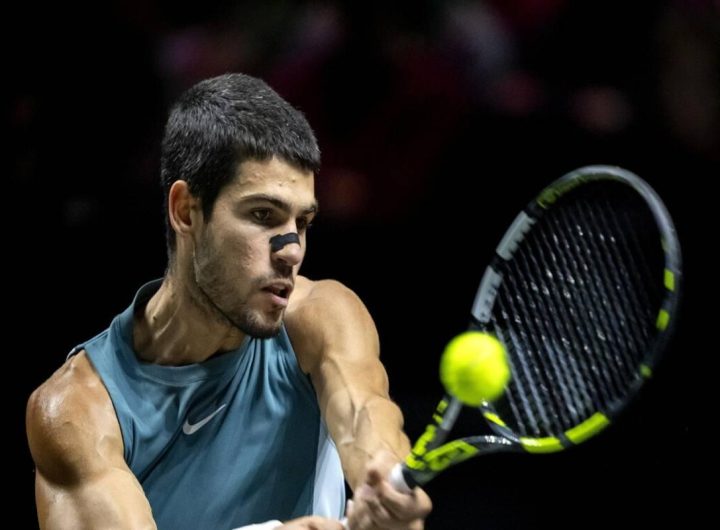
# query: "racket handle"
[[398, 481]]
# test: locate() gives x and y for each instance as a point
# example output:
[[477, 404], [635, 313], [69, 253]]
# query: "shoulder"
[[324, 317], [324, 297], [70, 420]]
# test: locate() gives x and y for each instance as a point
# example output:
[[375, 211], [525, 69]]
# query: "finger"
[[402, 506], [361, 519], [379, 515]]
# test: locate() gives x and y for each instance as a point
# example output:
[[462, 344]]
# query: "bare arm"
[[337, 344], [82, 480]]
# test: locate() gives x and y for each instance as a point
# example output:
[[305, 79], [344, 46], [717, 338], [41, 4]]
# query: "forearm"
[[105, 503], [340, 348], [376, 425]]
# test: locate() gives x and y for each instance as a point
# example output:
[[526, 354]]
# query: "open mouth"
[[280, 290]]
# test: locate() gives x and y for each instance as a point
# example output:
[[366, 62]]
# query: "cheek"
[[248, 256]]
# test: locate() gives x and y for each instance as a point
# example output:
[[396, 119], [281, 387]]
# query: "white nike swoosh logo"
[[192, 428]]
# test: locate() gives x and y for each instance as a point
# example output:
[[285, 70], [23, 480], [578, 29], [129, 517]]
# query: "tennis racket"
[[582, 291]]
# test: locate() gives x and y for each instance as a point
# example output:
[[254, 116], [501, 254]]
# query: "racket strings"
[[644, 280], [631, 244], [600, 326], [529, 395], [627, 287], [541, 362], [581, 342], [545, 373], [563, 312], [520, 397], [566, 384], [576, 310]]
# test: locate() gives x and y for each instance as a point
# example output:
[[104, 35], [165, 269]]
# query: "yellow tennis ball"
[[474, 368]]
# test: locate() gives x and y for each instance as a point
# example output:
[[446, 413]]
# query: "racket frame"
[[430, 455]]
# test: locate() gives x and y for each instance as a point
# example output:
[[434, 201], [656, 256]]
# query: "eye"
[[303, 223], [261, 216]]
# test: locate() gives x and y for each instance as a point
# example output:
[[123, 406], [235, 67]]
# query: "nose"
[[287, 249]]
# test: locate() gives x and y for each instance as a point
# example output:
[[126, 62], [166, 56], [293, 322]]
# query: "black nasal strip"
[[279, 241]]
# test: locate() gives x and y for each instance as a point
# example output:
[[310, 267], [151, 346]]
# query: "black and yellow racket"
[[582, 292]]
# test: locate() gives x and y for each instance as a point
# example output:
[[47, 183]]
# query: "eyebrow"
[[278, 203]]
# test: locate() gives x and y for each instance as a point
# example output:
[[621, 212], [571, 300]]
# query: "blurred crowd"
[[403, 95]]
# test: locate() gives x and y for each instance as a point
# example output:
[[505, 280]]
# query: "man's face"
[[238, 274]]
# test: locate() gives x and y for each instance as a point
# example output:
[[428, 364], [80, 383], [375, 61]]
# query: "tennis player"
[[232, 392]]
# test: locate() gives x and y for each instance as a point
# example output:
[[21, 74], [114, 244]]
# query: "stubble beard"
[[212, 288]]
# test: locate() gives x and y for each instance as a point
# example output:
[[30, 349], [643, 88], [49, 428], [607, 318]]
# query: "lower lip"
[[277, 300]]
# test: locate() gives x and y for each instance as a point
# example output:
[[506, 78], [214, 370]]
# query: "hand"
[[312, 523], [378, 506]]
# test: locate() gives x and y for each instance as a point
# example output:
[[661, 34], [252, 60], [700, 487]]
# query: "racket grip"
[[398, 481]]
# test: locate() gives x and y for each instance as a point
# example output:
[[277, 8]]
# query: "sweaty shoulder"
[[71, 423], [324, 318]]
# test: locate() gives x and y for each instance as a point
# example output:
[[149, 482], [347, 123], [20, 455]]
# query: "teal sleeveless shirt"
[[235, 440]]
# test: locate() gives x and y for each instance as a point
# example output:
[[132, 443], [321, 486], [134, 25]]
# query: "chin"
[[264, 332], [260, 327]]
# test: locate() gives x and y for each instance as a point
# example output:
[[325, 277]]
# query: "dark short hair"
[[218, 124]]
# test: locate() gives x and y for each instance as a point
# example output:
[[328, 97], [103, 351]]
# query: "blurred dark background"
[[438, 121]]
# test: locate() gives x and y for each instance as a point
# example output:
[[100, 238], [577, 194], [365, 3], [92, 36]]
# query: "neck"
[[176, 327]]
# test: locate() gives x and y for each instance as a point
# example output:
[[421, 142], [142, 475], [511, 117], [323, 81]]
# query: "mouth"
[[279, 292]]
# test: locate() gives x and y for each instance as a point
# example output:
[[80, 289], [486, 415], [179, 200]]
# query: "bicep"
[[82, 479], [112, 498]]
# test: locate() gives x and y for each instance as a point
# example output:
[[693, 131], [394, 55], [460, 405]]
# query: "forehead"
[[273, 177]]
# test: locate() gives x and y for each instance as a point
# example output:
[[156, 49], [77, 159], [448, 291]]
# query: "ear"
[[184, 209]]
